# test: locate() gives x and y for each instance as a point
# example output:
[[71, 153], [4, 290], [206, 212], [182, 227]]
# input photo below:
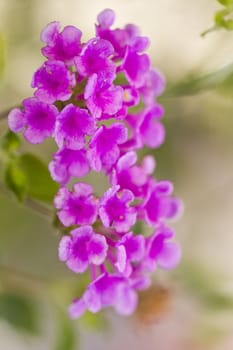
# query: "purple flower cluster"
[[86, 97]]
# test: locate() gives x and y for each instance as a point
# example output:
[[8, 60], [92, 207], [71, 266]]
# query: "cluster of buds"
[[98, 101]]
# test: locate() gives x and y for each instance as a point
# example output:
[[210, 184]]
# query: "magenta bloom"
[[61, 46], [131, 176], [147, 129], [78, 207], [160, 205], [53, 82], [97, 99], [94, 59], [151, 131], [162, 251], [152, 87], [104, 147], [82, 248], [37, 120], [129, 36], [130, 248], [115, 210], [102, 97], [73, 124], [107, 290], [69, 163], [135, 66], [106, 18]]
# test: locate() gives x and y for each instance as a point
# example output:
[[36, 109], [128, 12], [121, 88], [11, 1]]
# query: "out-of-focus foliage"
[[19, 311], [11, 142], [205, 286], [66, 336], [16, 179], [39, 183], [26, 175], [191, 85], [222, 18]]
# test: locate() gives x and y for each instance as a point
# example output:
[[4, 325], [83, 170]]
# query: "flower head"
[[162, 251], [78, 207], [53, 82], [82, 248], [115, 210], [94, 59], [37, 120], [107, 290], [68, 163], [102, 97], [72, 125], [97, 99], [104, 148], [63, 46]]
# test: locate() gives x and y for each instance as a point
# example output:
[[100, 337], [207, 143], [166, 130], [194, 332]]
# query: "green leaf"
[[66, 337], [39, 183], [19, 311], [11, 142], [195, 84], [226, 2], [16, 180], [221, 19]]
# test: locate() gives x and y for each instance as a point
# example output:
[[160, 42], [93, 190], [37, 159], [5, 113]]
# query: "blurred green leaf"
[[19, 311], [11, 142], [96, 322], [222, 20], [202, 284], [193, 85], [39, 183], [66, 337], [226, 2], [16, 180]]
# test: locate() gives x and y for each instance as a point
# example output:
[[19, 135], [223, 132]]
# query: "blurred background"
[[192, 307]]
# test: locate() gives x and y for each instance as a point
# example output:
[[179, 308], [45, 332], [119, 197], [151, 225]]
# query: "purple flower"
[[78, 207], [130, 248], [69, 163], [129, 36], [94, 59], [160, 205], [53, 82], [151, 131], [135, 66], [62, 46], [152, 87], [82, 248], [115, 210], [131, 176], [147, 130], [102, 97], [107, 290], [130, 96], [85, 98], [73, 124], [104, 146], [106, 18], [37, 120], [161, 251]]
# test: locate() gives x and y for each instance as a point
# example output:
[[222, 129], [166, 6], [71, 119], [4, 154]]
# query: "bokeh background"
[[192, 307]]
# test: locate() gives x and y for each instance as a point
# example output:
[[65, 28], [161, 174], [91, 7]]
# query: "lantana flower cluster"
[[98, 100]]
